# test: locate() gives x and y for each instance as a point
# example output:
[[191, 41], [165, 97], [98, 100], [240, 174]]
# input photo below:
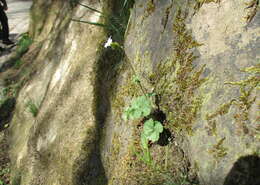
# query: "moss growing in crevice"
[[176, 80]]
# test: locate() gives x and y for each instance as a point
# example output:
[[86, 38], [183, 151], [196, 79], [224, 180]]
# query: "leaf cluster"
[[33, 108], [140, 107], [23, 44], [151, 132]]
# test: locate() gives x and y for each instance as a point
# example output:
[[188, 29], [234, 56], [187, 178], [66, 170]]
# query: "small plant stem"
[[88, 22], [93, 9], [139, 83], [142, 89]]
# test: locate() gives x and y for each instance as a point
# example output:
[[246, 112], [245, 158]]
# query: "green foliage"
[[18, 63], [23, 44], [140, 107], [152, 130], [4, 173], [33, 108], [136, 79]]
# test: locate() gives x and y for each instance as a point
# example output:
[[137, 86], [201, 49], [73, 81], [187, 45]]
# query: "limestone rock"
[[52, 147]]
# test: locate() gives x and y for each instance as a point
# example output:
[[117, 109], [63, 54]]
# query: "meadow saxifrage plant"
[[142, 107]]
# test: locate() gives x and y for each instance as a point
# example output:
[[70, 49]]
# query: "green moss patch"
[[176, 80]]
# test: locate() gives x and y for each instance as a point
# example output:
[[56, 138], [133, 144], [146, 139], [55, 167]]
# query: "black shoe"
[[7, 42]]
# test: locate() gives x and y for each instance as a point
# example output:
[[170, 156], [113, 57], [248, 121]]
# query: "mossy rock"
[[189, 59]]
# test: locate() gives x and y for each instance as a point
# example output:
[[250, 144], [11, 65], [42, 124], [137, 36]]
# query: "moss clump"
[[223, 109], [218, 150], [176, 80], [246, 99], [253, 7], [150, 7]]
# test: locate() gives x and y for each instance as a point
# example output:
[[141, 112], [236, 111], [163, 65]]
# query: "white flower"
[[109, 42]]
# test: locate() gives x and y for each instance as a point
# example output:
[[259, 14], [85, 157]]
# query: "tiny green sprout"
[[136, 79], [152, 130], [140, 107], [33, 108]]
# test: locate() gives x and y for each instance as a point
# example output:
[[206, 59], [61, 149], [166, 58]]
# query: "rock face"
[[219, 119], [50, 148], [200, 60]]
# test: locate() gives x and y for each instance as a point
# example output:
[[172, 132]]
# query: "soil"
[[4, 159]]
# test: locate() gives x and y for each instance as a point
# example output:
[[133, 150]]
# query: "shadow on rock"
[[6, 112], [92, 172], [246, 171]]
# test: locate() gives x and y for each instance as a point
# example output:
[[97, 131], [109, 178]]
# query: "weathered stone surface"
[[52, 147], [230, 45]]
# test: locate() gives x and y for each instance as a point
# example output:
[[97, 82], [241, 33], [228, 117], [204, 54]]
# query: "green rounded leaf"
[[140, 107], [148, 127], [152, 130], [154, 136], [146, 111], [136, 114], [158, 127]]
